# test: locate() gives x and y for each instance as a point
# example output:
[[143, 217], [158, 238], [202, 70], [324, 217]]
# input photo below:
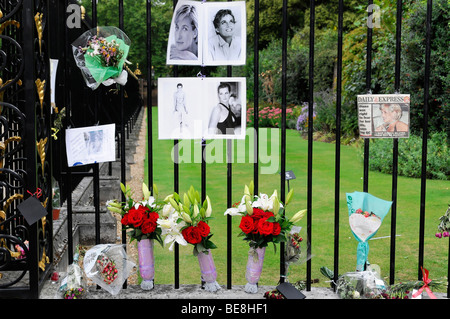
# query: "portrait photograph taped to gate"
[[90, 144], [207, 33], [226, 38], [202, 108]]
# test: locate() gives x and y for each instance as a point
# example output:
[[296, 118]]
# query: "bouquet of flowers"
[[108, 266], [185, 221], [444, 224], [100, 53], [263, 220], [141, 219], [73, 285]]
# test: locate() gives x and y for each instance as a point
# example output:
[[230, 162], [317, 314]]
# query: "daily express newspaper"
[[383, 115]]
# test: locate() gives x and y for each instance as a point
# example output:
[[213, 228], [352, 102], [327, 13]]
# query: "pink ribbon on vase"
[[426, 281]]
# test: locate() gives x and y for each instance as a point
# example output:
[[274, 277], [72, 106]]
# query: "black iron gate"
[[25, 134], [26, 250]]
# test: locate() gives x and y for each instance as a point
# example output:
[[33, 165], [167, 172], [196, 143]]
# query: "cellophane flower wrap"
[[100, 54], [185, 221], [263, 221], [108, 266], [73, 285], [444, 225]]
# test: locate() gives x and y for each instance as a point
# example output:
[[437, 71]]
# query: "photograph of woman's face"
[[185, 33], [226, 26], [224, 95]]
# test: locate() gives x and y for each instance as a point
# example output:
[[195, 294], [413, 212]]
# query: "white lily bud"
[[209, 208], [298, 216]]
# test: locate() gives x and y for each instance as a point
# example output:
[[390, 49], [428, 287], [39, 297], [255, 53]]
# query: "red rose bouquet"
[[193, 220], [141, 218], [263, 220], [188, 219]]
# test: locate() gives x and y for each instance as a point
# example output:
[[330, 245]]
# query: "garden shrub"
[[410, 156]]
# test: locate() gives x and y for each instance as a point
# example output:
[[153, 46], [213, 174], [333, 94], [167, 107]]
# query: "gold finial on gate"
[[38, 21], [40, 90], [83, 12], [41, 151]]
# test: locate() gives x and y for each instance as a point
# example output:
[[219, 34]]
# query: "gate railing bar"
[[337, 173], [122, 140], [425, 138], [283, 128], [395, 144], [149, 95], [30, 134], [310, 140], [95, 166], [67, 89], [256, 100], [368, 91]]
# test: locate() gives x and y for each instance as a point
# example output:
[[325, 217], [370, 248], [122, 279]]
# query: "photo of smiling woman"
[[226, 33], [184, 37]]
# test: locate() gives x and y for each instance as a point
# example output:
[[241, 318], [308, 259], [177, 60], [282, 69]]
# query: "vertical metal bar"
[[310, 138], [67, 93], [395, 146], [229, 200], [337, 160], [283, 128], [176, 188], [256, 100], [425, 137], [149, 95], [123, 178], [30, 133], [369, 91], [95, 167]]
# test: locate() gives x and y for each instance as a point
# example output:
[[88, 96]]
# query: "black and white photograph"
[[201, 108], [208, 33], [92, 144], [226, 33], [185, 40]]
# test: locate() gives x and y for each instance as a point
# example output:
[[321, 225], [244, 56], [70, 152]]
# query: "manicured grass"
[[323, 198]]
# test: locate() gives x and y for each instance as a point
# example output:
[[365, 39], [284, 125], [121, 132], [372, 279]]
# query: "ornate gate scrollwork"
[[24, 145]]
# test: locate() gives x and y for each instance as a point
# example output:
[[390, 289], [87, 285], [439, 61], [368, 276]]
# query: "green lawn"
[[408, 206]]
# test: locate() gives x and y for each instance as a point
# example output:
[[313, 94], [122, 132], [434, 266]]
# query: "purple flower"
[[438, 235]]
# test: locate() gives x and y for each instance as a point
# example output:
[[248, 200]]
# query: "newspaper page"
[[383, 115]]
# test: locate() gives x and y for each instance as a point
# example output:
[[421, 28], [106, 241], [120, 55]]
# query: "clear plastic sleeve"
[[108, 266]]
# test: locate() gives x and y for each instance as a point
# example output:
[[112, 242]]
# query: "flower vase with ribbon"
[[141, 218], [253, 272], [146, 263], [263, 221], [208, 271]]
